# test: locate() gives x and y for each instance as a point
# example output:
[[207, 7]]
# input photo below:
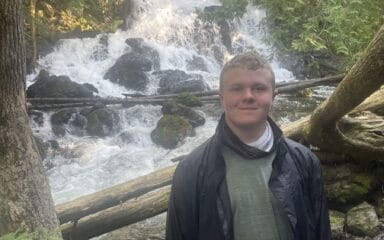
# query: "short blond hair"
[[248, 60]]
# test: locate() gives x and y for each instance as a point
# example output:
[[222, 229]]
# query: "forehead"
[[247, 76]]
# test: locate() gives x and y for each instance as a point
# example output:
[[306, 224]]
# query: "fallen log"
[[328, 127], [92, 203], [126, 213], [208, 96]]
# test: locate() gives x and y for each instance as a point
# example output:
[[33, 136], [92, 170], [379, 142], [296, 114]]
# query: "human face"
[[247, 96]]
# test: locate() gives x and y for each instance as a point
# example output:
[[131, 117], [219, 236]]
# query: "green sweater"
[[257, 215]]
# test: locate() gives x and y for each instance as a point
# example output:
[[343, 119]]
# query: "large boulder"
[[138, 45], [363, 221], [171, 130], [345, 185], [129, 71], [101, 122], [176, 81], [57, 87], [188, 100], [172, 108]]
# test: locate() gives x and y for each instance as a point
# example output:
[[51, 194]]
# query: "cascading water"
[[89, 164]]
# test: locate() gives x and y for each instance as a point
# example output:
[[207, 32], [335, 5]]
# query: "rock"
[[129, 71], [171, 130], [380, 206], [58, 119], [91, 87], [345, 185], [363, 221], [54, 144], [188, 100], [62, 116], [101, 122], [197, 63], [172, 108], [124, 138], [218, 54], [337, 220], [176, 81], [138, 45], [100, 51], [37, 116], [57, 87]]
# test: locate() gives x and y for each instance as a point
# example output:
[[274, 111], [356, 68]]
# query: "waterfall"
[[88, 164]]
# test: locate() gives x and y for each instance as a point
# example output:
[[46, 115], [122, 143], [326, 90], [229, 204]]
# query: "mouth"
[[248, 108]]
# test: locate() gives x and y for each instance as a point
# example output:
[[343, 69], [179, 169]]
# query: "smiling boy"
[[248, 181]]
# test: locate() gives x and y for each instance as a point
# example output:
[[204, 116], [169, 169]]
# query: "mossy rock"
[[347, 187], [337, 220], [173, 108], [188, 100], [102, 122], [380, 206], [171, 130], [362, 220]]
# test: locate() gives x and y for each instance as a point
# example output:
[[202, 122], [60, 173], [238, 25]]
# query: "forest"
[[78, 159]]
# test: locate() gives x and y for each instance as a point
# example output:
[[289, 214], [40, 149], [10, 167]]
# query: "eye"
[[235, 88], [259, 88]]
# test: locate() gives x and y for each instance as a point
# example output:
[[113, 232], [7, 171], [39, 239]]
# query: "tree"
[[26, 204]]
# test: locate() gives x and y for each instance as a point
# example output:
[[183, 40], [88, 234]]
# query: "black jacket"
[[199, 206]]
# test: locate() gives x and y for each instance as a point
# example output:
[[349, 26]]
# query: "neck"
[[247, 134]]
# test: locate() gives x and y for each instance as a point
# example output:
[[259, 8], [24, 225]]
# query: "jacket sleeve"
[[319, 201], [182, 223]]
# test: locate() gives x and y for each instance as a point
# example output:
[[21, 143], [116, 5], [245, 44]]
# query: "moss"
[[189, 100], [171, 130], [337, 220]]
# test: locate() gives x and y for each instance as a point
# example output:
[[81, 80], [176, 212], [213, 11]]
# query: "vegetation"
[[340, 29]]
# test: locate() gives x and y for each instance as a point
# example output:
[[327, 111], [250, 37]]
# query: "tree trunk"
[[92, 203], [365, 77], [25, 199], [32, 16], [126, 213]]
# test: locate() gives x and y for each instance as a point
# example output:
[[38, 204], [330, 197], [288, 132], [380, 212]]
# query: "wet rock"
[[101, 122], [37, 116], [57, 87], [54, 144], [91, 87], [171, 130], [345, 185], [138, 45], [62, 116], [172, 108], [100, 51], [176, 81], [197, 63], [59, 119], [79, 121], [124, 138], [363, 221], [337, 220], [218, 54], [129, 71]]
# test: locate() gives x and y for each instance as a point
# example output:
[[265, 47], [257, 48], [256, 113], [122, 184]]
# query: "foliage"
[[52, 16], [340, 28]]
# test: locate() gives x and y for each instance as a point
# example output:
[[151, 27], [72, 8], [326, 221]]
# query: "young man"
[[248, 182]]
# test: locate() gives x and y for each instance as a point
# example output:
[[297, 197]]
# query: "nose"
[[248, 93]]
